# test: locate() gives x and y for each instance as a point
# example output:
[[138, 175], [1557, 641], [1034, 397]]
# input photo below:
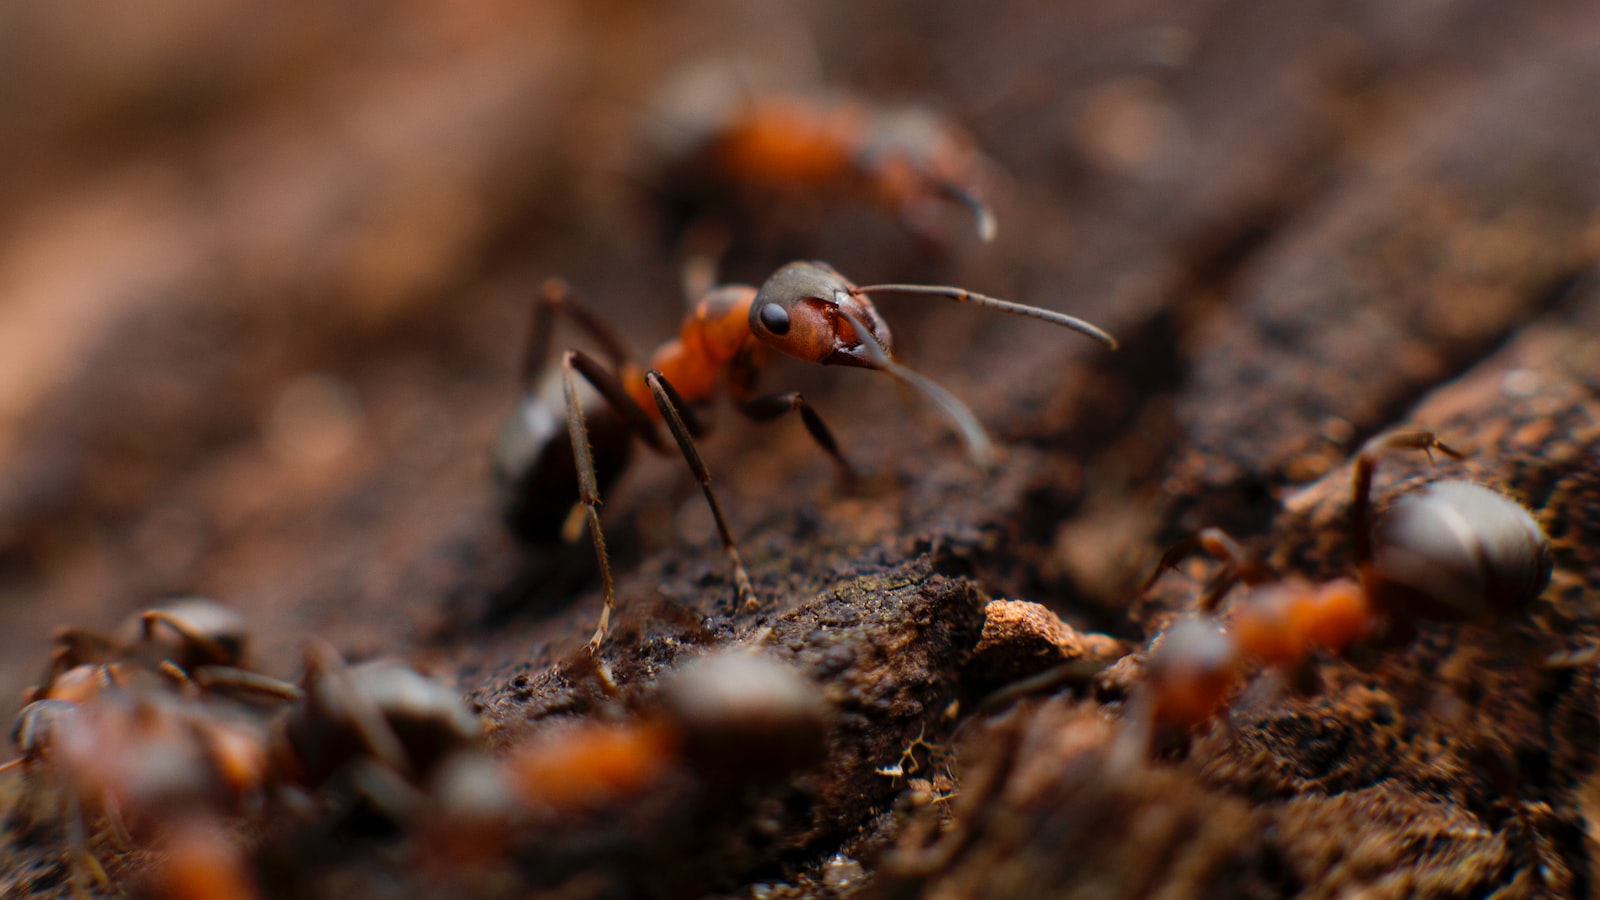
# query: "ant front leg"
[[683, 426], [668, 401], [773, 406], [770, 407]]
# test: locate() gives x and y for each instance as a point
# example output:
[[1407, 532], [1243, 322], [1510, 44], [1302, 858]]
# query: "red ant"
[[805, 310], [741, 151], [1453, 551], [713, 728]]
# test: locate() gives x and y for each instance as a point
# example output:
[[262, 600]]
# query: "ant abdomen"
[[1459, 550], [533, 461]]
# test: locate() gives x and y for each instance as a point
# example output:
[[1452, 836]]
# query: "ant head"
[[805, 310]]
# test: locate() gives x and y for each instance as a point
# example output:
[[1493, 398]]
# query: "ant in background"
[[1452, 551], [693, 747], [726, 152], [196, 643], [374, 733], [141, 756], [805, 310]]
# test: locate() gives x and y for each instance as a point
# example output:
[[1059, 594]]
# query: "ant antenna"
[[979, 447], [961, 295]]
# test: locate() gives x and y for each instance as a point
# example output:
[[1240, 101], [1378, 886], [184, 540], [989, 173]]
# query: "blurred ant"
[[805, 310], [196, 643], [36, 734], [141, 756], [1452, 551], [735, 717], [378, 729], [741, 154], [729, 721]]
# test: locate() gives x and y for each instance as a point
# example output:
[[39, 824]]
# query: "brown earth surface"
[[264, 278]]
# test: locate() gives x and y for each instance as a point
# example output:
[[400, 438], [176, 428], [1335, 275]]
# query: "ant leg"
[[1361, 485], [556, 296], [1238, 564], [573, 364], [233, 679], [80, 856], [589, 491], [201, 641], [388, 791], [325, 665], [668, 401], [175, 674], [116, 826], [773, 406], [61, 659]]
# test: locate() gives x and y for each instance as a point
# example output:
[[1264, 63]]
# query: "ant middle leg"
[[683, 426], [670, 404]]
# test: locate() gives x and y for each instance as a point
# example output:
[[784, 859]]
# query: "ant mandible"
[[805, 310], [1453, 551]]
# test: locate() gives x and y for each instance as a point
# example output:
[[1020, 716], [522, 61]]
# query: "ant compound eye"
[[774, 318]]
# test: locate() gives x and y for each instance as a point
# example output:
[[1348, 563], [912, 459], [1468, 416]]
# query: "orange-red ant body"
[[744, 155], [1452, 551], [805, 310]]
